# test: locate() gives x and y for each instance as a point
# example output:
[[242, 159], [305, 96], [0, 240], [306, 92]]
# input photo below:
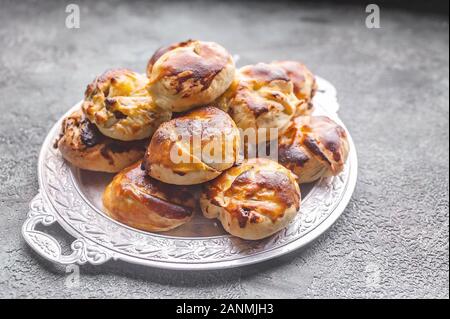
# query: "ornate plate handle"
[[48, 247]]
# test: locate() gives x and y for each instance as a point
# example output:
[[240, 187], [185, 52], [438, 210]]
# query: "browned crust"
[[81, 143], [284, 194], [258, 189], [292, 156], [258, 106], [199, 65], [250, 79], [160, 52], [102, 82], [263, 73], [312, 136], [312, 145], [304, 81], [206, 122], [171, 202], [298, 73]]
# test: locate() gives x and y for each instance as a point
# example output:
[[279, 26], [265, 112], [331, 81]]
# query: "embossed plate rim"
[[84, 245]]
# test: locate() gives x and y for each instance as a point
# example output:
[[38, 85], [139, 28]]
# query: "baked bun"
[[305, 85], [193, 148], [85, 147], [262, 96], [188, 74], [121, 107], [253, 200], [137, 200], [313, 147]]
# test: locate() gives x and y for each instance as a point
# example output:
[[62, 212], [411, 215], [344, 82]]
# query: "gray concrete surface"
[[393, 84]]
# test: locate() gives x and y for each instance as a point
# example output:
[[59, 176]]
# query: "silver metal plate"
[[71, 197]]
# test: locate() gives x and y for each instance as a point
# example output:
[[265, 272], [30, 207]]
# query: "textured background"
[[393, 86]]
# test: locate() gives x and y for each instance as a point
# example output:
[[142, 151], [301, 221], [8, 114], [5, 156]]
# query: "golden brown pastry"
[[305, 85], [313, 147], [85, 147], [142, 202], [121, 107], [252, 200], [193, 148], [261, 96], [188, 74]]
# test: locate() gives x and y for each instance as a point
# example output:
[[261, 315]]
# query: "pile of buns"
[[152, 130]]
